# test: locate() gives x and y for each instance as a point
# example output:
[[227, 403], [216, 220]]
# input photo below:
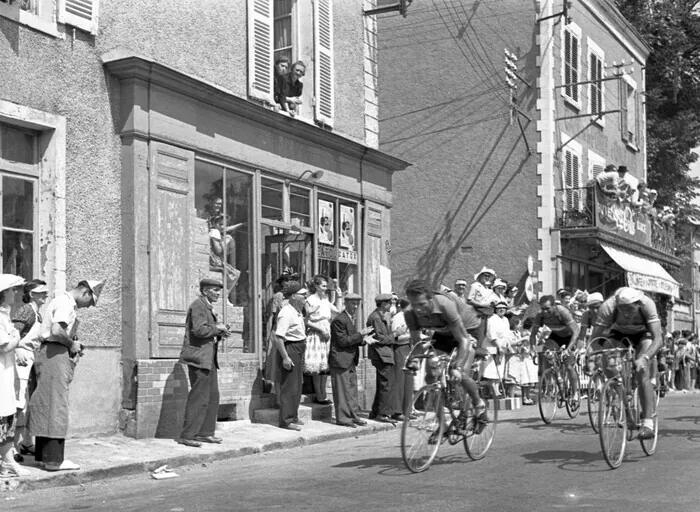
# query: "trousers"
[[202, 406], [291, 382]]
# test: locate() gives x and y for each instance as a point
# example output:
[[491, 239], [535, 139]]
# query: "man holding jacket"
[[381, 353], [203, 332]]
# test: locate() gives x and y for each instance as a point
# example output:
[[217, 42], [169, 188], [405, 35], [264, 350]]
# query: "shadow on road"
[[565, 428], [568, 460]]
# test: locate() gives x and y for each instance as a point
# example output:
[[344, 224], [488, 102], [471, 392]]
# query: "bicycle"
[[619, 414], [595, 385], [422, 435], [555, 391]]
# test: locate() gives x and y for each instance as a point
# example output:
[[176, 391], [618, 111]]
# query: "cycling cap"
[[627, 295], [594, 298]]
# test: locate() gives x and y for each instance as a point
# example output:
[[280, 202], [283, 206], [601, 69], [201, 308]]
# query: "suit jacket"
[[382, 350], [345, 342], [201, 336]]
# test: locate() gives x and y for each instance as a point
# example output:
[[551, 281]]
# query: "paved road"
[[531, 467]]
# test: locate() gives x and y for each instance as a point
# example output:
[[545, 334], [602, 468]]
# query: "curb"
[[130, 468]]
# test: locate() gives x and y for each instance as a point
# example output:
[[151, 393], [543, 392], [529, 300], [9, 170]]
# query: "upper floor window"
[[572, 178], [42, 15], [596, 96], [629, 111], [571, 64], [273, 35]]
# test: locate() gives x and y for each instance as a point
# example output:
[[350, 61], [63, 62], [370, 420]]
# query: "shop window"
[[272, 195], [18, 189], [223, 238], [300, 206]]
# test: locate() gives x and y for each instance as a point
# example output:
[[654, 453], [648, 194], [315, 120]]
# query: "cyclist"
[[450, 319], [564, 333], [631, 314]]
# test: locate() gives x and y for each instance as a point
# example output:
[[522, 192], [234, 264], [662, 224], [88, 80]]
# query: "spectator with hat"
[[290, 337], [27, 320], [403, 381], [9, 341], [564, 297], [482, 298], [55, 364], [460, 289], [203, 331], [343, 359], [381, 353]]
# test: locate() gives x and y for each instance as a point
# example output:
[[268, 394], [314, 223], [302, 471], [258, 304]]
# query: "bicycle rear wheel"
[[421, 437], [595, 385], [572, 406], [480, 434], [649, 445], [612, 423], [547, 395]]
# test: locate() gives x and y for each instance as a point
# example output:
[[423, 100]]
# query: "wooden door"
[[171, 246]]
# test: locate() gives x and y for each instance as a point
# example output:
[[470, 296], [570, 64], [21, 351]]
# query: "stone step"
[[307, 412]]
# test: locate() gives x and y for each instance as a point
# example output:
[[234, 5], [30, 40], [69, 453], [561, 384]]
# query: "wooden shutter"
[[596, 96], [571, 48], [81, 14], [596, 169], [623, 109], [637, 119], [171, 246], [260, 50], [323, 57], [574, 67]]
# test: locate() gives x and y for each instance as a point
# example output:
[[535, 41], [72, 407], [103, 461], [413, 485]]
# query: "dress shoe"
[[359, 421], [646, 433], [291, 426], [322, 402], [66, 465], [346, 424], [188, 442], [383, 418], [297, 421], [209, 439], [372, 416], [18, 458], [26, 450]]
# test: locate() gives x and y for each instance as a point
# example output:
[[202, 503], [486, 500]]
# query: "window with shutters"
[[629, 111], [37, 14], [80, 14], [596, 164], [596, 89], [571, 64], [323, 53], [572, 178], [283, 30]]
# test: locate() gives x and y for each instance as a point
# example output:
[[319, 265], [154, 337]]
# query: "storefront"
[[220, 187]]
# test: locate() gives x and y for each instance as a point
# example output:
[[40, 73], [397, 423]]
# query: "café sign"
[[622, 219]]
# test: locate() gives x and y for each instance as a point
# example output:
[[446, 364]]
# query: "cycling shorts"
[[616, 338]]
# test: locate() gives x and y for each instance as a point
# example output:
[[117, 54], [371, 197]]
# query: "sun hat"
[[8, 281], [95, 288], [594, 298], [42, 288], [484, 270], [500, 304], [500, 282], [626, 295]]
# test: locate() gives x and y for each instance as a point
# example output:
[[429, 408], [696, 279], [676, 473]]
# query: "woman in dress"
[[9, 341], [498, 336], [319, 312], [27, 320]]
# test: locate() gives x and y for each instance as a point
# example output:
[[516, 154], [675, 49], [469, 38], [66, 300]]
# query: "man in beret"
[[342, 361], [381, 353], [203, 331]]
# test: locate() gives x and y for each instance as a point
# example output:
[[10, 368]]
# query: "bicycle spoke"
[[421, 437], [548, 396], [612, 424], [480, 433]]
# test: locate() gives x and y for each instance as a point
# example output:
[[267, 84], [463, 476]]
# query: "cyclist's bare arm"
[[657, 341], [575, 330]]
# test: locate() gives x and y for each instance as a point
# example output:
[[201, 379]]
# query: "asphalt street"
[[531, 467]]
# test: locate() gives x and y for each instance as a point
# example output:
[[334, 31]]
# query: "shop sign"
[[619, 217], [347, 256], [327, 253], [652, 284]]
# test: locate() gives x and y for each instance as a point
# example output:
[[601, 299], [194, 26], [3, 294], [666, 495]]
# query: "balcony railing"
[[578, 208]]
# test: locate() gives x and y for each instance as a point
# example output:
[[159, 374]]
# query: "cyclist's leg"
[[644, 385]]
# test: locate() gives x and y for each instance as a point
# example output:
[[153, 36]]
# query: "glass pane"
[[283, 33], [283, 7], [18, 254], [17, 145], [17, 203], [271, 196], [300, 206]]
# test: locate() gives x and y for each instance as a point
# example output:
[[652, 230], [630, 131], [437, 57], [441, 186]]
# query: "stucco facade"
[[149, 102]]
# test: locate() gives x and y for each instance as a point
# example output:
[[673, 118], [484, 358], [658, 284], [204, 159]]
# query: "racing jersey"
[[558, 319], [636, 322], [446, 315]]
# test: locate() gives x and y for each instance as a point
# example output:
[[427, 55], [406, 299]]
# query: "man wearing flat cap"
[[54, 365], [342, 361], [203, 331], [381, 353]]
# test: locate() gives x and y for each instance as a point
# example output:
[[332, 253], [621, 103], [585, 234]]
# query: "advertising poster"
[[347, 227], [326, 233]]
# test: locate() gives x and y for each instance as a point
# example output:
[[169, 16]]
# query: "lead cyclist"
[[631, 314], [450, 319]]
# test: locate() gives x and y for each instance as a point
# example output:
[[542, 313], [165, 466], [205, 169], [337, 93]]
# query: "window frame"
[[576, 33], [596, 51], [294, 16], [43, 21], [630, 95]]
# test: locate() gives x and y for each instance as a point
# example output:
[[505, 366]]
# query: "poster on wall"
[[347, 227], [325, 227]]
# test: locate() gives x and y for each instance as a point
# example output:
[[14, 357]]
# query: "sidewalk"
[[114, 456]]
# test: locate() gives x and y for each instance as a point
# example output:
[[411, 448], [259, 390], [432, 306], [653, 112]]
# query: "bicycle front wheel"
[[480, 432], [649, 445], [421, 437], [595, 385], [572, 406], [612, 423], [547, 395]]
